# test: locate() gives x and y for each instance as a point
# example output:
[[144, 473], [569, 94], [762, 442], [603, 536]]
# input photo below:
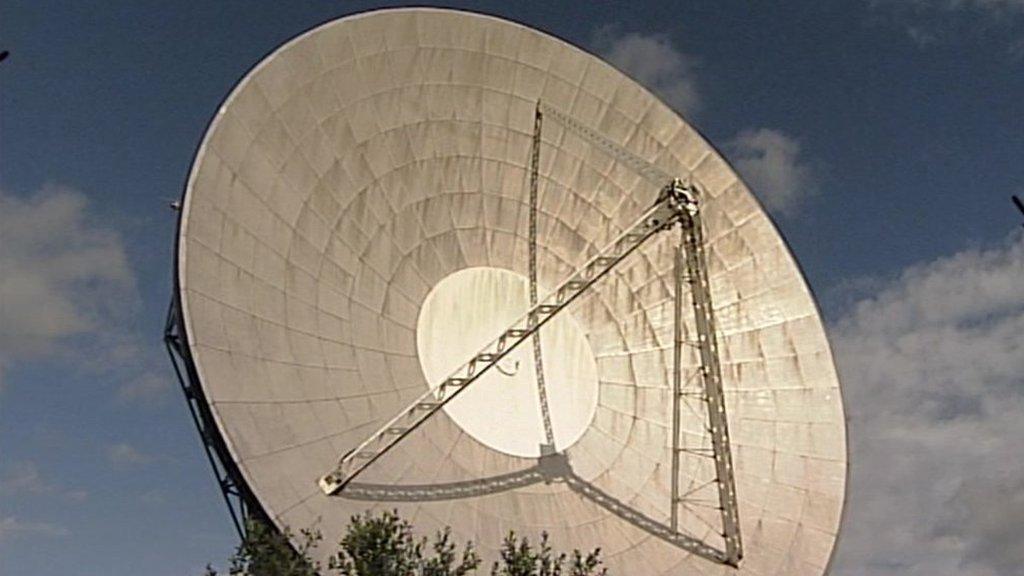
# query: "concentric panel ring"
[[367, 160]]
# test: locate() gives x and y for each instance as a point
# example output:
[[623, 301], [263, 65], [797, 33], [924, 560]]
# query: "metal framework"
[[241, 503], [647, 170], [554, 468], [696, 271], [675, 203], [677, 382], [690, 266], [538, 358]]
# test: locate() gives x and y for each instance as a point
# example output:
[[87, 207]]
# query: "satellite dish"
[[441, 262]]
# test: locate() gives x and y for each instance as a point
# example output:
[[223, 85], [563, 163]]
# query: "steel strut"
[[538, 358], [678, 203], [696, 271], [674, 204]]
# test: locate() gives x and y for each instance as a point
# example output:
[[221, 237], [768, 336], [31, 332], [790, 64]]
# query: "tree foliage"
[[519, 558], [385, 545], [267, 552]]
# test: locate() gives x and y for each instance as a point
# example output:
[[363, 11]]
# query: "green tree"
[[267, 552], [384, 545], [519, 558]]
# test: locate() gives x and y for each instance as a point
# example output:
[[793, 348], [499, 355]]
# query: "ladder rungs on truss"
[[691, 267], [711, 373], [675, 203], [642, 167]]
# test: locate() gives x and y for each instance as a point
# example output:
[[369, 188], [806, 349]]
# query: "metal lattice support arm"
[[692, 263], [711, 374], [242, 505], [675, 203], [538, 355], [647, 170]]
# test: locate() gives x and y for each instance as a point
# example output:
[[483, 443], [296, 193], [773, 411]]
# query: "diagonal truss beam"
[[538, 358], [696, 271], [548, 469], [691, 263], [647, 170], [674, 204], [677, 204]]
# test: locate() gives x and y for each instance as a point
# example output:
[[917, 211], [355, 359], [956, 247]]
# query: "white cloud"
[[771, 163], [11, 527], [154, 497], [932, 369], [652, 60], [1016, 50], [769, 160], [147, 388], [987, 513], [921, 35], [62, 274], [995, 6], [24, 478], [125, 453], [930, 22], [991, 8], [77, 495]]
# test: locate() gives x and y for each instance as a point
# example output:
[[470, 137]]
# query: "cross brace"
[[675, 204], [691, 265], [242, 504], [693, 268], [647, 170]]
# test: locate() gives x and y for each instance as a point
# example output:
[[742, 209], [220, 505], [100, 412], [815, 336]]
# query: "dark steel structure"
[[241, 503]]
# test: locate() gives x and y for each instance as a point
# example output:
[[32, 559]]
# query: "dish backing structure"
[[441, 262]]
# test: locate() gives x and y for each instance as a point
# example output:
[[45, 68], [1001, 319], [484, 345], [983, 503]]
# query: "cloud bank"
[[11, 527], [23, 479], [772, 165], [932, 368], [64, 274], [654, 61], [932, 22], [124, 453], [993, 8], [769, 160]]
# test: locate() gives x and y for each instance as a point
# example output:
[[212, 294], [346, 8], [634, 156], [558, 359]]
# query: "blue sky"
[[885, 136]]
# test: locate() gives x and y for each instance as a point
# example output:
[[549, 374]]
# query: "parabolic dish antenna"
[[441, 262]]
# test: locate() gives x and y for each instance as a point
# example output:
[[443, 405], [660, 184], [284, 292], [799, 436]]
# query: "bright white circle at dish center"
[[466, 311]]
